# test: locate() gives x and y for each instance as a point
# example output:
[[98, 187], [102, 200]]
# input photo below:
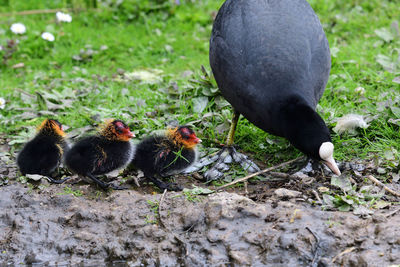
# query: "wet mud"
[[132, 228], [274, 222]]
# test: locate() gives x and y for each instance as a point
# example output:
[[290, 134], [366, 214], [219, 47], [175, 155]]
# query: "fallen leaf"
[[384, 34], [150, 76], [386, 63], [328, 200], [395, 111], [199, 104], [35, 177], [18, 65], [196, 190], [381, 204], [362, 211], [342, 182]]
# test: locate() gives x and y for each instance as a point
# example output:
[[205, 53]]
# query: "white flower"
[[2, 103], [18, 28], [48, 36], [360, 90], [63, 17]]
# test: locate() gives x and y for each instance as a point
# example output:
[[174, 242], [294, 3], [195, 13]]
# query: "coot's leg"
[[224, 157], [232, 129]]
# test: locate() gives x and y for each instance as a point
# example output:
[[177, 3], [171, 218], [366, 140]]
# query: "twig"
[[316, 196], [392, 213], [284, 175], [246, 191], [159, 208], [183, 243], [257, 173], [317, 248], [347, 250], [377, 182], [135, 179], [39, 11]]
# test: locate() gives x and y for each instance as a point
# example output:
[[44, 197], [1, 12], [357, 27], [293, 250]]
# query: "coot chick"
[[43, 154], [99, 154], [163, 155], [271, 61]]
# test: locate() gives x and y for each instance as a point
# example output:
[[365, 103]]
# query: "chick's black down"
[[41, 155], [97, 155], [159, 155]]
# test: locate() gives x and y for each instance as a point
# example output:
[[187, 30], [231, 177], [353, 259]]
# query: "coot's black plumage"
[[163, 155], [43, 154], [109, 150], [271, 61]]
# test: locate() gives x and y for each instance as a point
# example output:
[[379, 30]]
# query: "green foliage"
[[152, 218], [359, 200], [68, 190], [99, 67], [194, 194]]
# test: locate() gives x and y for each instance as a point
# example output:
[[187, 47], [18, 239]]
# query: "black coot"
[[271, 61]]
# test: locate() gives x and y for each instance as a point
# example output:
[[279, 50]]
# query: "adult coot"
[[271, 61]]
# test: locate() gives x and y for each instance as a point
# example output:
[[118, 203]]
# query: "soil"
[[271, 223]]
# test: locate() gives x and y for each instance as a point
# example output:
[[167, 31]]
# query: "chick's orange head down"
[[184, 135], [116, 130], [51, 126]]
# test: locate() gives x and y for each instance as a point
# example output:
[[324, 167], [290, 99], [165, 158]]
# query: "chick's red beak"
[[128, 133], [195, 139]]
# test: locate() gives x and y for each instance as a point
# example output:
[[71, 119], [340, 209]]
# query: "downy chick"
[[43, 154], [109, 150], [163, 155]]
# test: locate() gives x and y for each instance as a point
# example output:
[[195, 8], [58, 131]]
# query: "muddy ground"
[[43, 224]]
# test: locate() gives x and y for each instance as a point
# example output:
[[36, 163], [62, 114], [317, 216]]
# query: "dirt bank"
[[222, 229]]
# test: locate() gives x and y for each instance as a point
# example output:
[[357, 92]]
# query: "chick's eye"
[[119, 127], [185, 133]]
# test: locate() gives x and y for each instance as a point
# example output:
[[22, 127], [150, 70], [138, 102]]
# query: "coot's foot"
[[312, 167], [223, 159]]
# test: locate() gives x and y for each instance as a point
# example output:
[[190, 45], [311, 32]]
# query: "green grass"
[[174, 39]]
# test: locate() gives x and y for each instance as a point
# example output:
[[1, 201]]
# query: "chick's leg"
[[54, 181], [103, 185], [162, 185], [224, 157]]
